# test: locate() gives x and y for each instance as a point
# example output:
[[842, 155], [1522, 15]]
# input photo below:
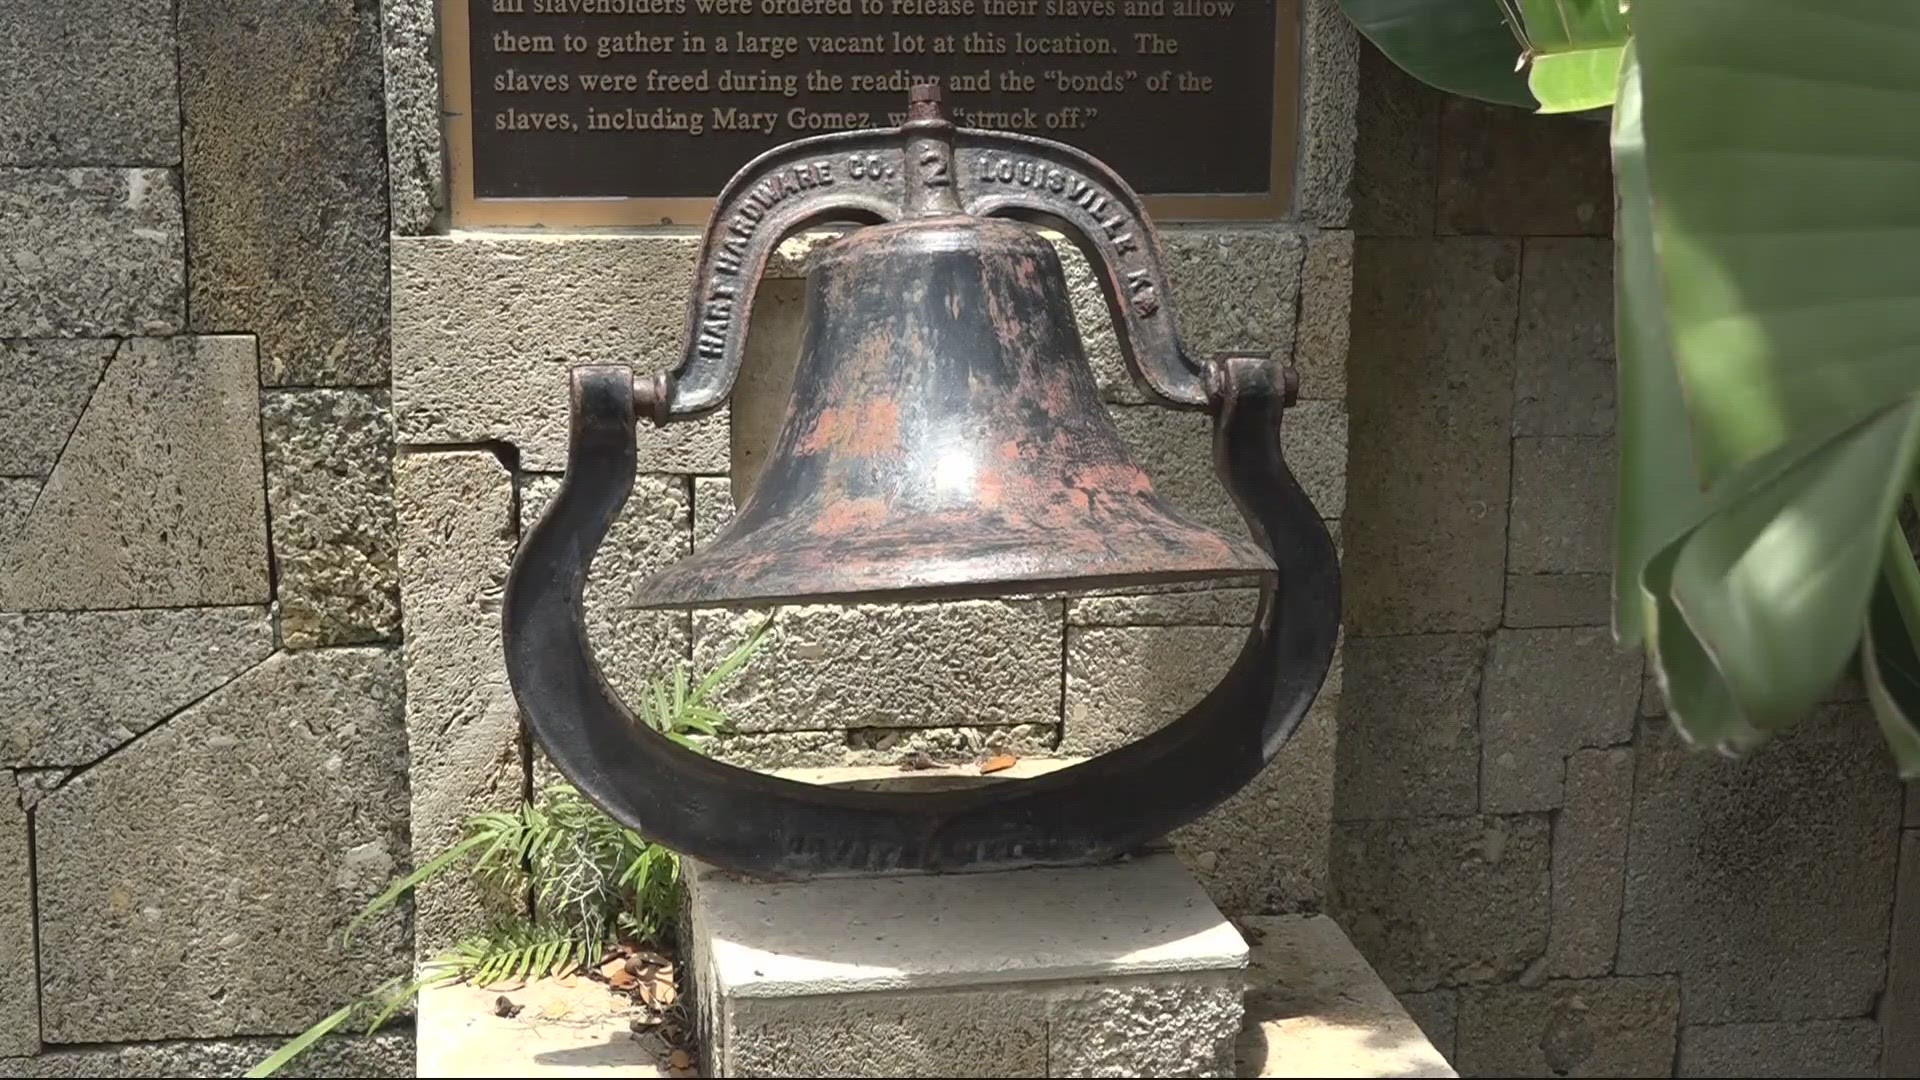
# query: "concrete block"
[[1799, 1049], [1329, 100], [1765, 885], [1321, 341], [89, 83], [1589, 859], [560, 1030], [1547, 694], [775, 750], [1127, 682], [91, 252], [1514, 173], [634, 648], [19, 973], [157, 500], [1559, 600], [79, 685], [226, 849], [1438, 902], [1123, 969], [1409, 731], [486, 326], [463, 728], [1433, 326], [44, 385], [416, 172], [286, 184], [1438, 1014], [1316, 1008], [1900, 1007], [1396, 155], [1176, 450], [1562, 506], [330, 487], [1576, 1027], [1209, 607], [388, 1053], [16, 500], [1563, 361], [34, 784]]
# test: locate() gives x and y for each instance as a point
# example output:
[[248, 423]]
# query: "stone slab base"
[[1119, 970]]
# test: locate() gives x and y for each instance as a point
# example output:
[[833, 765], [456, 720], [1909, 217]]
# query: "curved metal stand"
[[754, 823]]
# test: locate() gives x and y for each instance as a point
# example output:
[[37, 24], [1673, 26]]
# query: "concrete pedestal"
[[1119, 970]]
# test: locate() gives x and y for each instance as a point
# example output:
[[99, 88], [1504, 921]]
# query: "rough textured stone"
[[389, 1053], [1444, 901], [463, 728], [1433, 326], [1562, 506], [1176, 450], [1900, 1008], [1563, 379], [19, 983], [1409, 732], [1559, 600], [90, 252], [90, 83], [1396, 156], [1589, 861], [1207, 607], [1579, 1027], [1315, 1007], [1321, 342], [16, 501], [35, 784], [1124, 682], [1264, 850], [44, 385], [1765, 885], [775, 750], [757, 409], [931, 1034], [286, 184], [330, 487], [1171, 1026], [972, 663], [415, 150], [485, 328], [1547, 694], [1331, 53], [634, 648], [157, 500], [227, 850], [1805, 1048], [1438, 1014], [1233, 289], [79, 684], [1516, 173]]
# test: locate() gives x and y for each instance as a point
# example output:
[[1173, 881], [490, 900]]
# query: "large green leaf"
[[1466, 47], [1575, 48], [1888, 663]]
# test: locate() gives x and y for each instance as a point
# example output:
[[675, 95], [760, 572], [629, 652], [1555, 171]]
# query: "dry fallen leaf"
[[998, 762], [622, 979], [680, 1059], [612, 967]]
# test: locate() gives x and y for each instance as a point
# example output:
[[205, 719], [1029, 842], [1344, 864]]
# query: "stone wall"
[[1523, 847], [202, 747]]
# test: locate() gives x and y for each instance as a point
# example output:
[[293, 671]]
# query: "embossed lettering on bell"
[[944, 439]]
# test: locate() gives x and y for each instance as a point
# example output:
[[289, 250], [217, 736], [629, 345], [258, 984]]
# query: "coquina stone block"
[[1589, 862], [1511, 172], [1126, 682], [1328, 114], [1438, 902], [1563, 361], [775, 750], [1577, 1027], [1562, 505], [79, 684], [1547, 694], [91, 252], [43, 387], [457, 537], [1409, 732], [157, 500], [1395, 160], [1438, 1013], [330, 486], [1901, 1005], [16, 499], [485, 328], [1176, 450], [634, 648], [1196, 607], [286, 183], [415, 170], [89, 83], [227, 850], [1802, 1048], [388, 1053], [19, 975], [1766, 885], [1326, 310]]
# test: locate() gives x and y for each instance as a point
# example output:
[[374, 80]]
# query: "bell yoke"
[[944, 439]]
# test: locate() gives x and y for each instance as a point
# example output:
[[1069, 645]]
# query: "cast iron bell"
[[945, 438]]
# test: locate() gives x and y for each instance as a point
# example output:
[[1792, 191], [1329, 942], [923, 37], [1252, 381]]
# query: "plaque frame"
[[466, 211]]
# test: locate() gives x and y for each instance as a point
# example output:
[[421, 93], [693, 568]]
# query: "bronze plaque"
[[636, 112]]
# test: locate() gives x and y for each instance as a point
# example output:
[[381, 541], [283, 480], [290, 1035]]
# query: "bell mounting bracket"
[[1101, 808]]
